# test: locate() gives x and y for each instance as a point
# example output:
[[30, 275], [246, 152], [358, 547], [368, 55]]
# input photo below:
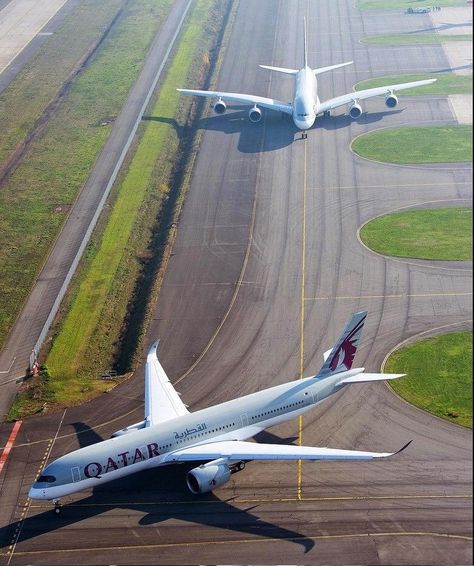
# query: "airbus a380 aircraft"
[[216, 435], [306, 104]]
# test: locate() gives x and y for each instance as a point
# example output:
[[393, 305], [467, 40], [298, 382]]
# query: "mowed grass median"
[[411, 38], [37, 196], [432, 233], [424, 144], [446, 84], [87, 338], [439, 376], [43, 78]]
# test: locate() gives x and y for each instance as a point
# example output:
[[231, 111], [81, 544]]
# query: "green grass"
[[40, 80], [433, 233], [74, 361], [446, 83], [411, 38], [404, 4], [439, 376], [35, 199], [432, 144]]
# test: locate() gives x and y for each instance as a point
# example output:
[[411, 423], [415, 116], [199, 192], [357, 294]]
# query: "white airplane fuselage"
[[238, 419], [305, 103]]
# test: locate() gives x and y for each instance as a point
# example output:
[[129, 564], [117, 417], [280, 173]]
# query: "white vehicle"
[[306, 104], [170, 434]]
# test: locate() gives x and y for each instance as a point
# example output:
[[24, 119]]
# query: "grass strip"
[[431, 144], [37, 196], [439, 376], [73, 372], [41, 80], [433, 233], [413, 38], [446, 84], [404, 4]]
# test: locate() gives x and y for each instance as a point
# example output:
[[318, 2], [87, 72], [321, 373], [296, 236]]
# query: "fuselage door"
[[244, 419], [76, 474]]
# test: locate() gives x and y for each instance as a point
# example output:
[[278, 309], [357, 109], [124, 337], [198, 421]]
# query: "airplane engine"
[[391, 101], [220, 107], [255, 114], [207, 477], [355, 111]]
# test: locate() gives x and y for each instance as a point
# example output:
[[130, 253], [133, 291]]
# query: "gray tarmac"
[[266, 269]]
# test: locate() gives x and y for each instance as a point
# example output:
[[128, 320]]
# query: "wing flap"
[[162, 402], [240, 450], [269, 103]]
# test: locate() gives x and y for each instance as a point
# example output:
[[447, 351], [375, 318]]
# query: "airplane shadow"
[[280, 130], [343, 120], [251, 139], [158, 494]]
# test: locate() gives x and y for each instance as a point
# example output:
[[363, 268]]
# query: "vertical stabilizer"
[[341, 357], [305, 44]]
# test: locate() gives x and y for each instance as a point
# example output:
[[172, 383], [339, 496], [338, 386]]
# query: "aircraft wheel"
[[240, 466]]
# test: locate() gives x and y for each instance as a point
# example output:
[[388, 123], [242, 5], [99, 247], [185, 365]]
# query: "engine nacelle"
[[207, 477], [355, 110], [255, 114], [391, 101], [220, 107]]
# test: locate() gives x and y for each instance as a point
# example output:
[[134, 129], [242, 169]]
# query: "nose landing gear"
[[304, 135]]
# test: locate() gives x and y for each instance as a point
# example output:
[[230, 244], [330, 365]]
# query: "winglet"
[[403, 448]]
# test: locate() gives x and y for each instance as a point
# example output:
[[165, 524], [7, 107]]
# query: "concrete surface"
[[265, 271], [462, 107], [20, 22]]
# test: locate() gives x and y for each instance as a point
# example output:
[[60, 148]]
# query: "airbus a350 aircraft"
[[216, 435], [306, 104]]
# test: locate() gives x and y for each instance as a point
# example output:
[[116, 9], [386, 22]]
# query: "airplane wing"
[[368, 93], [162, 402], [269, 103], [240, 450]]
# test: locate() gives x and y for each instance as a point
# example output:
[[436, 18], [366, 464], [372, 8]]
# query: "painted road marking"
[[9, 444], [245, 541], [396, 296]]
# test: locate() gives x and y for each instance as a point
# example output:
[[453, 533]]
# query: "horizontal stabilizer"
[[330, 68], [280, 69], [366, 377]]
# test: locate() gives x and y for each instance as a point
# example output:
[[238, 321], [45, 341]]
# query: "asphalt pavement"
[[266, 269]]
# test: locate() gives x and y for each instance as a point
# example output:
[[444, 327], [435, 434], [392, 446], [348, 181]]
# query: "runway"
[[266, 269]]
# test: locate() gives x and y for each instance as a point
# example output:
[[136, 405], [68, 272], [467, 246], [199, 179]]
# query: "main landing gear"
[[57, 506], [238, 467]]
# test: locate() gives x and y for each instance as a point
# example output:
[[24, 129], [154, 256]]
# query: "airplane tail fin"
[[280, 69], [331, 67], [341, 357], [305, 44]]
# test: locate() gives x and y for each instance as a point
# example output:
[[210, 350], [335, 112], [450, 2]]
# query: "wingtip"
[[153, 348], [403, 447]]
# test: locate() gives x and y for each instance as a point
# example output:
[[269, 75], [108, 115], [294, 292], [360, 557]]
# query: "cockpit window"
[[46, 479]]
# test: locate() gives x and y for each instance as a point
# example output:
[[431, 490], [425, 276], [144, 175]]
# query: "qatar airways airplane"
[[214, 437], [306, 104]]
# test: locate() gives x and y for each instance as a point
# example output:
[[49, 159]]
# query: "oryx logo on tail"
[[341, 357]]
